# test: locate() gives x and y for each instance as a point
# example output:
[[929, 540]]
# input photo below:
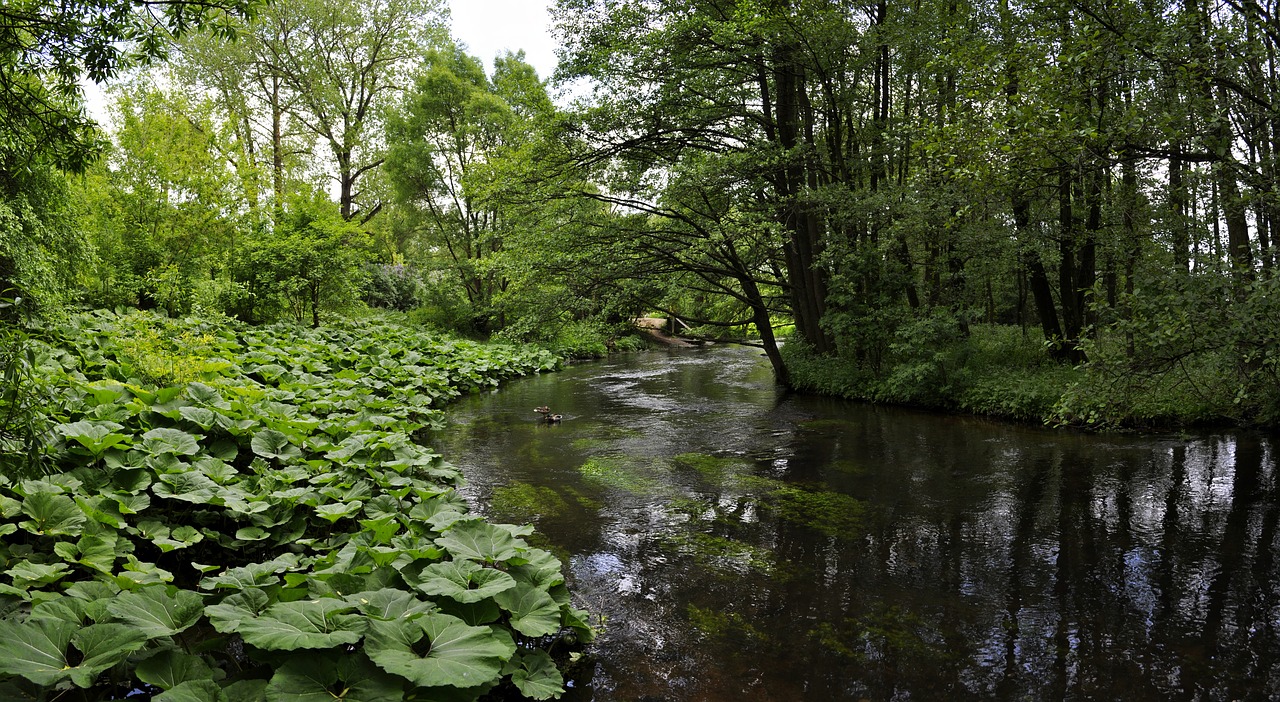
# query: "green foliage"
[[40, 246], [162, 211], [392, 286], [46, 49], [312, 263], [995, 370], [269, 514], [1197, 350], [25, 396]]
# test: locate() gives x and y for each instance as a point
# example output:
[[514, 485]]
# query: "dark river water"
[[745, 544]]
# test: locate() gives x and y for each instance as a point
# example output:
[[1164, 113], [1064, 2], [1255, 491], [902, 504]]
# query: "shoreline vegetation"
[[1006, 372], [219, 511], [1003, 372]]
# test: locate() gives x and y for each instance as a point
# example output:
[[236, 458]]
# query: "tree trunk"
[[803, 245]]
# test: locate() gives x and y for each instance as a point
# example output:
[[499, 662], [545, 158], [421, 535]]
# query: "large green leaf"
[[246, 691], [287, 626], [37, 649], [166, 440], [28, 574], [538, 678], [191, 486], [438, 650], [157, 612], [96, 551], [52, 515], [533, 612], [180, 537], [270, 443], [334, 511], [204, 395], [326, 676], [200, 416], [69, 609], [171, 667], [389, 603], [464, 581], [480, 541], [193, 691], [131, 504], [94, 436], [233, 609]]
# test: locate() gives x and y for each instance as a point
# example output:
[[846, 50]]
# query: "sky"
[[488, 27]]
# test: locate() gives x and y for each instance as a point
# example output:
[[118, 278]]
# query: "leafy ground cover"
[[233, 513]]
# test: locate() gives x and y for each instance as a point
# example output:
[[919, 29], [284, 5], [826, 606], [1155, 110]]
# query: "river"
[[746, 544]]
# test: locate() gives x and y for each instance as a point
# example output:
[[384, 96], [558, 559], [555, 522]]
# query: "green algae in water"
[[716, 624], [886, 629], [832, 513], [522, 502], [614, 473], [590, 444], [719, 553], [714, 469]]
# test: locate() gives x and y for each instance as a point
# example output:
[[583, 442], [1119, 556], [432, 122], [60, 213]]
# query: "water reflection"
[[749, 545]]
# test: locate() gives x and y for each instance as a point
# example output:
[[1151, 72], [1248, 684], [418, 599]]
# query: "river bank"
[[1002, 372]]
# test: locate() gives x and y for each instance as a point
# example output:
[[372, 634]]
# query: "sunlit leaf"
[[270, 443], [27, 574], [334, 511], [389, 603], [480, 541], [204, 418], [233, 609], [94, 436], [464, 581], [52, 515]]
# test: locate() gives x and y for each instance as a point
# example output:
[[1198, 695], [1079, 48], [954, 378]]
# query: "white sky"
[[488, 27]]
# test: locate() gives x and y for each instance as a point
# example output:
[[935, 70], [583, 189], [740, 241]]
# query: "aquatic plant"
[[268, 528], [617, 473], [523, 502]]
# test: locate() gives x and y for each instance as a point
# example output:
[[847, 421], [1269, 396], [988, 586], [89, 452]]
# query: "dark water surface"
[[746, 545]]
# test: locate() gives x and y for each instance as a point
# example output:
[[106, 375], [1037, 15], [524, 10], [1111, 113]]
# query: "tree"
[[344, 61], [451, 123], [312, 263], [45, 49], [165, 211]]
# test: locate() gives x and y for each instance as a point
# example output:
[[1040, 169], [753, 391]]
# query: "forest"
[[1055, 211]]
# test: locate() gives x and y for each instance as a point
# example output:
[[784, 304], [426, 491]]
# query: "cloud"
[[490, 27]]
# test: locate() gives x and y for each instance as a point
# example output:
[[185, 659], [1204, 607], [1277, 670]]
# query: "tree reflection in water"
[[750, 545]]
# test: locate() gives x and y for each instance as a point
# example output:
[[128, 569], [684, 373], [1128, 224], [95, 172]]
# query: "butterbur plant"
[[273, 533]]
